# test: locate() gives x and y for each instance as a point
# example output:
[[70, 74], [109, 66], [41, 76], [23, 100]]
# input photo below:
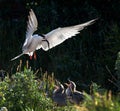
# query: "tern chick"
[[59, 96], [72, 94]]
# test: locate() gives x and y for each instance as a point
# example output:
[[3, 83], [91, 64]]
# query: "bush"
[[25, 92], [101, 100]]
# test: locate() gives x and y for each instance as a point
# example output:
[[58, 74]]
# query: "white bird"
[[49, 40]]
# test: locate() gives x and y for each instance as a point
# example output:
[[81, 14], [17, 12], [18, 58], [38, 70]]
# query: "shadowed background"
[[90, 56]]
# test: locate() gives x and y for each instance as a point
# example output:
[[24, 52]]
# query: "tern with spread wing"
[[49, 40]]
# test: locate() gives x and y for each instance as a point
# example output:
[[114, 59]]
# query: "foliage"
[[101, 100], [117, 68], [25, 92]]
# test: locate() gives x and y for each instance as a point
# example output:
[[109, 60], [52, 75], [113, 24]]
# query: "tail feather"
[[17, 57]]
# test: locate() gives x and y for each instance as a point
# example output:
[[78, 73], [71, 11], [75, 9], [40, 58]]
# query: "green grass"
[[24, 91]]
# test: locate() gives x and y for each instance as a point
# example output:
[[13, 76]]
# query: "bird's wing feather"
[[59, 35], [32, 25]]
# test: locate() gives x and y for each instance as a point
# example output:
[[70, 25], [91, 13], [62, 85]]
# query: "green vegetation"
[[25, 92], [22, 92]]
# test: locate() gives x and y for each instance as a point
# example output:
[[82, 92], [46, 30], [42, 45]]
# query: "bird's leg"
[[34, 54], [30, 57], [44, 39]]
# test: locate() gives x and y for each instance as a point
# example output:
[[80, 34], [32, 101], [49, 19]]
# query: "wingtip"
[[31, 10], [96, 19], [93, 20]]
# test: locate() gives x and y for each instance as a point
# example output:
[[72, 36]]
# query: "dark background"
[[88, 57]]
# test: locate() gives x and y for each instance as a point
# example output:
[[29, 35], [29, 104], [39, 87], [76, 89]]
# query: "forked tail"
[[17, 57]]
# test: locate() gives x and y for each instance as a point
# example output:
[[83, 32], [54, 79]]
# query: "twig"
[[113, 83], [110, 73]]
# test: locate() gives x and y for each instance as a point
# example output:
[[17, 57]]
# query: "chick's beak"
[[56, 87], [67, 84]]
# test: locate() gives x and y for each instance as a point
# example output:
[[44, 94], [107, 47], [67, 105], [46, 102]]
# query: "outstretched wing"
[[59, 35], [32, 25]]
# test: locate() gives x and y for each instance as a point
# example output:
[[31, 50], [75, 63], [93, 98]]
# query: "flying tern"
[[47, 41]]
